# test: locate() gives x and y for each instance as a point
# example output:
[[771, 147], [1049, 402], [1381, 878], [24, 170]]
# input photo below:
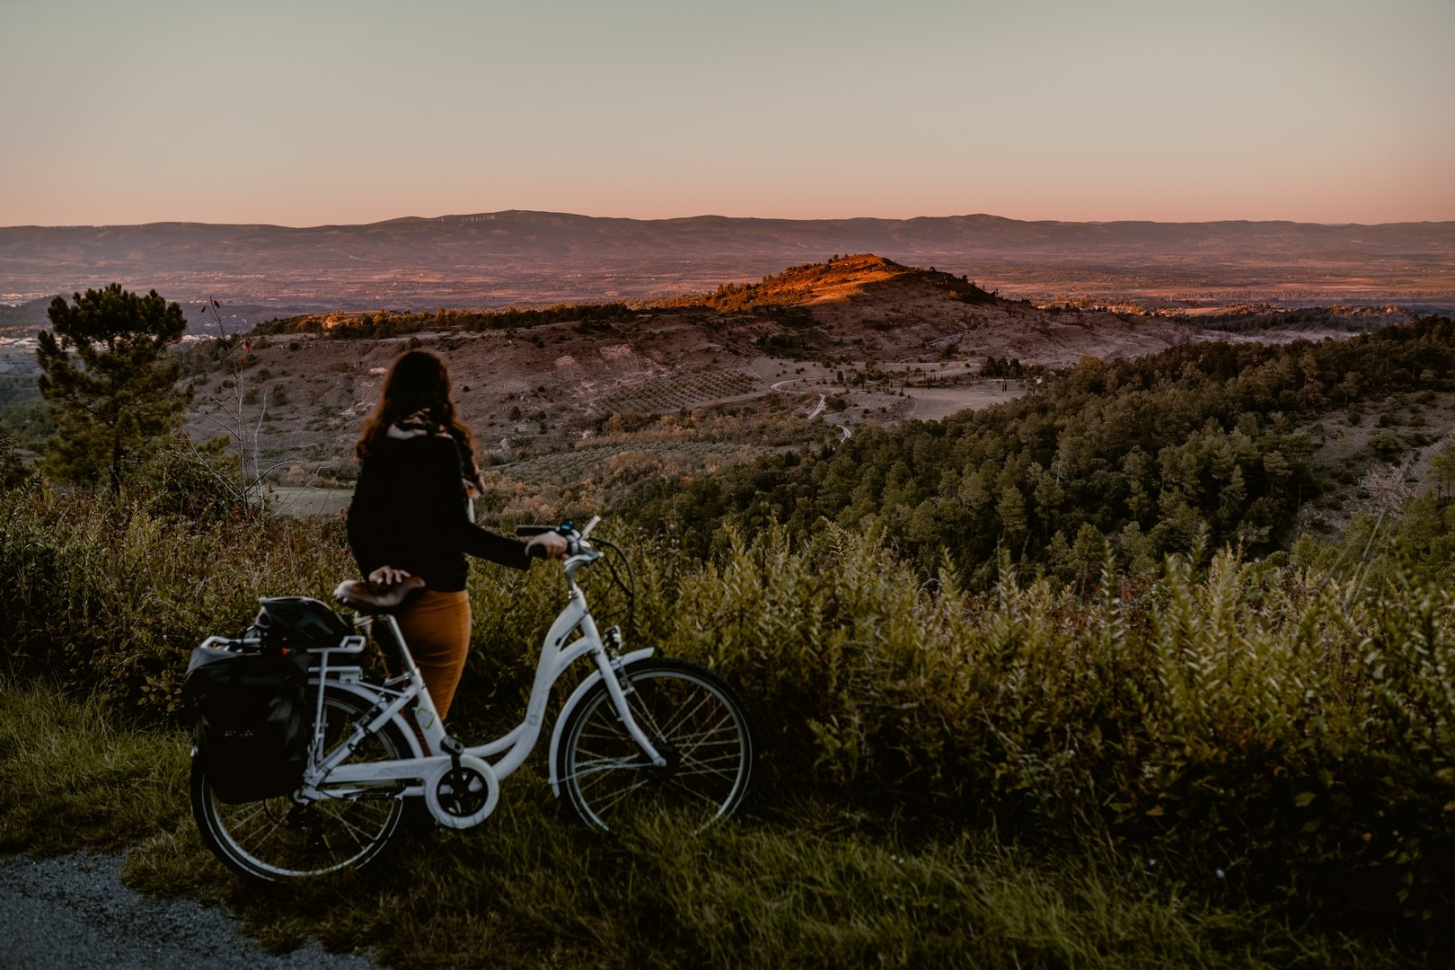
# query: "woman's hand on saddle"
[[388, 576], [547, 545]]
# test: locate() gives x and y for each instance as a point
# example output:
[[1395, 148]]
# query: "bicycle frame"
[[511, 748]]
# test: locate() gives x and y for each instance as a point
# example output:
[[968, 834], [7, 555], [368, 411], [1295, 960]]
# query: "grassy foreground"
[[530, 889]]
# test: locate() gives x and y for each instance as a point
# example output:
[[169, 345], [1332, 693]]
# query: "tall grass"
[[106, 596], [1255, 731], [73, 777], [527, 889]]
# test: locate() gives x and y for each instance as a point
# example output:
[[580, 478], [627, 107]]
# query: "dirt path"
[[74, 912]]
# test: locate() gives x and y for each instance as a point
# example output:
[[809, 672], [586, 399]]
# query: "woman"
[[411, 515]]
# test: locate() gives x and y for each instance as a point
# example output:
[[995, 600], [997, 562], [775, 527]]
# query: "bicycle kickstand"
[[455, 749]]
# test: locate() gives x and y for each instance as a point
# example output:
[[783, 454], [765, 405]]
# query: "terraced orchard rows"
[[693, 391]]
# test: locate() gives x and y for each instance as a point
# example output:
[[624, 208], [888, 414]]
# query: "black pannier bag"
[[253, 705]]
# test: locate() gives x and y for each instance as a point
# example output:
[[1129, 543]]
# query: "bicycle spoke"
[[268, 835], [595, 778], [684, 715], [719, 765], [709, 762], [360, 835], [695, 793], [681, 741], [597, 755], [643, 714], [723, 727], [606, 805], [618, 764], [733, 756], [257, 808]]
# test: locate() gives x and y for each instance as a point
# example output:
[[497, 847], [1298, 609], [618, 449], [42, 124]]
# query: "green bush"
[[113, 597], [1247, 726], [194, 481], [14, 472]]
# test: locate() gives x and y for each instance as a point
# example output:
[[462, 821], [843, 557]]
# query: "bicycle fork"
[[613, 675]]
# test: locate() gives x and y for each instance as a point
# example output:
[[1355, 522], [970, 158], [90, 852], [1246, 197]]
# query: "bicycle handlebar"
[[575, 539], [580, 553], [567, 529]]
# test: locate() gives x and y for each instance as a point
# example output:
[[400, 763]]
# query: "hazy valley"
[[521, 257]]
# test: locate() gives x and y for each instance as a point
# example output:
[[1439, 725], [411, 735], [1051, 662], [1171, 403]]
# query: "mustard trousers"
[[436, 626]]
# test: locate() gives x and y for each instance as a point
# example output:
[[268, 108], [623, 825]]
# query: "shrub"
[[14, 473], [114, 597], [1290, 732], [196, 482]]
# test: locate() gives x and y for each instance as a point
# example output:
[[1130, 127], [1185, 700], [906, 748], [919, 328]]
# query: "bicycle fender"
[[627, 659]]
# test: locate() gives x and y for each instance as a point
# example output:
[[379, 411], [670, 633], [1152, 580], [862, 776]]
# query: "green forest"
[[1056, 683], [1204, 443]]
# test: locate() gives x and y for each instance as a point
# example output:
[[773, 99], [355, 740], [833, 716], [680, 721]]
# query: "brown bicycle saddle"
[[367, 597]]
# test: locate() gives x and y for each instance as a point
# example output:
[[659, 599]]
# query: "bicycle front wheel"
[[692, 718], [277, 839]]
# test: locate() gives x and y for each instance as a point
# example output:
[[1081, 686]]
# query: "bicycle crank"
[[461, 792]]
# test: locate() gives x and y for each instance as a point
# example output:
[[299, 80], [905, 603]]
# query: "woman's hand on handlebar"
[[388, 576], [547, 545]]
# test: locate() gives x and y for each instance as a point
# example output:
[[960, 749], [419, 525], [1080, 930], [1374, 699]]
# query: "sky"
[[308, 113]]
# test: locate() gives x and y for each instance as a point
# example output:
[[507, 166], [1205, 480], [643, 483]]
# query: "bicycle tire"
[[276, 840], [693, 718]]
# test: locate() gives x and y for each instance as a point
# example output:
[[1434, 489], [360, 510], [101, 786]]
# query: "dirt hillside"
[[690, 382]]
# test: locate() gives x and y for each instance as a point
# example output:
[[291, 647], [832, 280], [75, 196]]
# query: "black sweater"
[[409, 512]]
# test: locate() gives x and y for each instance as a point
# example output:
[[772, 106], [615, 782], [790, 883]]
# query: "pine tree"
[[13, 472], [111, 387]]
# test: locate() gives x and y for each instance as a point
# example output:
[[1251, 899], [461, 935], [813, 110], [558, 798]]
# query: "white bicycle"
[[638, 736]]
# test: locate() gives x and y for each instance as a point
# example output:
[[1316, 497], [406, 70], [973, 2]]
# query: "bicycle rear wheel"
[[276, 840], [693, 719]]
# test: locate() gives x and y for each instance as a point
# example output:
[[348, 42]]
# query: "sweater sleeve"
[[445, 491], [363, 525]]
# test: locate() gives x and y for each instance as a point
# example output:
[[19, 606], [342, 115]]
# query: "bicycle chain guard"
[[462, 792]]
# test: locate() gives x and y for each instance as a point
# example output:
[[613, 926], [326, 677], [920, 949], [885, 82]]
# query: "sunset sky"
[[303, 113]]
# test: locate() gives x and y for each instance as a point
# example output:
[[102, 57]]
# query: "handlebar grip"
[[534, 530]]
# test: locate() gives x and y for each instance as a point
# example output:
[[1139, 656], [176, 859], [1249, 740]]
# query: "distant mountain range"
[[531, 257]]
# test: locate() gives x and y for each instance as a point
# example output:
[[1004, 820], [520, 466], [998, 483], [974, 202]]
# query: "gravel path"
[[74, 912]]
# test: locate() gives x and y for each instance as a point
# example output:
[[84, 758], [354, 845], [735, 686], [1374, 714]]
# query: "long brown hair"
[[418, 381]]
